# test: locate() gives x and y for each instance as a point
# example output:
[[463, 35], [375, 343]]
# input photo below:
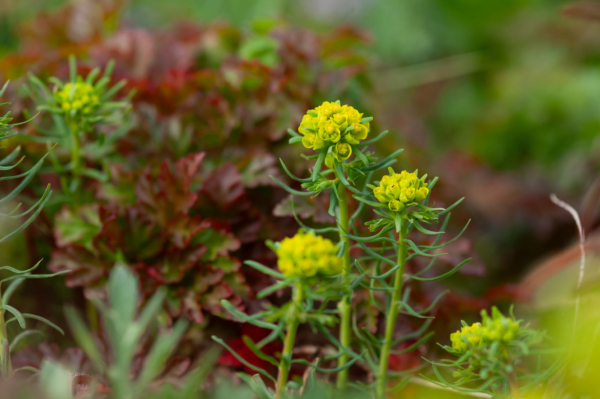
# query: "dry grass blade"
[[575, 215]]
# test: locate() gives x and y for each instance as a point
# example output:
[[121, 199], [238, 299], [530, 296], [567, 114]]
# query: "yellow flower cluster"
[[78, 96], [306, 255], [326, 125], [497, 329], [399, 189], [468, 335]]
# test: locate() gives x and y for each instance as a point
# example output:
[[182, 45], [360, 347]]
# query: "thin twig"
[[575, 215]]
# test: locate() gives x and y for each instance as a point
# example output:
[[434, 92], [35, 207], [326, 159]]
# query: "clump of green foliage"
[[9, 343]]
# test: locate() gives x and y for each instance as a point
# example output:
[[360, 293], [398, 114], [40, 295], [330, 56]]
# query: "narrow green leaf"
[[15, 313], [271, 289], [291, 190], [10, 290], [84, 338], [242, 360], [28, 221], [24, 334], [11, 157], [308, 179], [193, 383], [451, 207], [333, 202], [443, 276], [318, 163], [95, 174], [13, 270], [39, 318], [368, 202], [361, 156], [158, 356], [292, 133], [424, 230], [254, 386], [72, 69], [264, 269], [414, 247], [384, 162], [260, 354], [34, 276]]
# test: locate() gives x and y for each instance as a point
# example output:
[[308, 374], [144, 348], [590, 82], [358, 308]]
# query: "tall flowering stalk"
[[307, 263], [332, 129], [401, 200], [304, 257], [398, 191]]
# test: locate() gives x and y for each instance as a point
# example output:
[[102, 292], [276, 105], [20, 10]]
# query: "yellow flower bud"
[[340, 119], [385, 181], [393, 190], [379, 193], [359, 132], [308, 140], [396, 206], [342, 151], [330, 133], [421, 194], [408, 194]]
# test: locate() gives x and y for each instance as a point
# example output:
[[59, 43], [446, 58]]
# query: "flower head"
[[398, 190], [78, 98], [331, 124], [467, 336], [497, 328], [306, 255]]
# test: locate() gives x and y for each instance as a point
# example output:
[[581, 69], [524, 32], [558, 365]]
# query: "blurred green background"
[[500, 98]]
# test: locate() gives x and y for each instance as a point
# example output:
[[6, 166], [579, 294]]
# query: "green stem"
[[4, 335], [344, 304], [75, 158], [390, 322], [288, 345]]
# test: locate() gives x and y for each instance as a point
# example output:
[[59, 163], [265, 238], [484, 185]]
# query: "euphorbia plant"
[[493, 354], [308, 265], [400, 199], [79, 107]]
